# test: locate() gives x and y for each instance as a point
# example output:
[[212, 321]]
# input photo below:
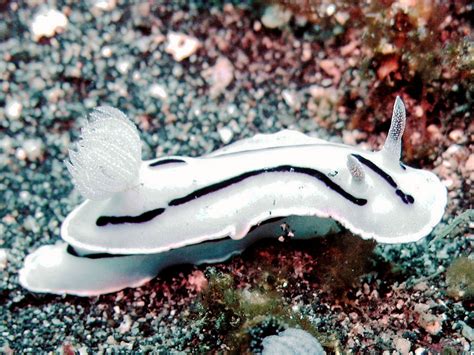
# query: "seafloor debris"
[[276, 16], [47, 23], [13, 109], [3, 259], [181, 46], [219, 76], [158, 91]]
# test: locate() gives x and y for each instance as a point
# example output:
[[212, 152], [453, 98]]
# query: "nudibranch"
[[142, 216]]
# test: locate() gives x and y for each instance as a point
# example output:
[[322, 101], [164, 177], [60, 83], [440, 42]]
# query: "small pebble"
[[181, 46], [421, 286], [470, 163], [105, 5], [457, 136], [232, 110], [111, 340], [307, 53], [292, 99], [198, 280], [106, 52], [33, 149], [331, 9], [319, 92], [275, 16], [3, 259], [326, 82], [342, 17], [123, 66], [226, 135], [219, 76], [430, 323], [6, 144], [13, 109], [47, 23], [30, 224], [402, 345], [329, 66], [126, 324], [467, 331], [158, 92]]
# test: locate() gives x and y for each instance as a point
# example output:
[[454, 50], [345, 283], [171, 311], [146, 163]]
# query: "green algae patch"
[[342, 261], [460, 279], [241, 318]]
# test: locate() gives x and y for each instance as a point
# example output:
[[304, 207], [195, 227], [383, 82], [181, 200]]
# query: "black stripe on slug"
[[70, 250], [149, 215], [166, 161], [282, 168], [144, 217], [406, 198], [376, 169]]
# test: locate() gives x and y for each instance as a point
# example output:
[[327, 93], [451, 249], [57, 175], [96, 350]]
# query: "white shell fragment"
[[47, 23], [152, 214], [181, 46], [108, 156], [292, 341]]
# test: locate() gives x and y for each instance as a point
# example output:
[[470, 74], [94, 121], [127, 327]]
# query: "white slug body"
[[61, 269], [179, 204], [197, 199]]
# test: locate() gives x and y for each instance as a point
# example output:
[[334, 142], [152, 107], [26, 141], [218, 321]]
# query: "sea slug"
[[141, 216]]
